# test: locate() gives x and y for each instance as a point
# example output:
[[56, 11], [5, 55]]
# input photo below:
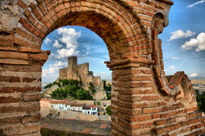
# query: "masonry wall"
[[20, 88], [79, 72], [144, 102]]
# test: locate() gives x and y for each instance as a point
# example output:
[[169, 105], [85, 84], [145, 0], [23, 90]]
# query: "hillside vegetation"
[[71, 88]]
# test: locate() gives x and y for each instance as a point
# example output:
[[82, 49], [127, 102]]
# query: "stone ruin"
[[144, 101], [81, 73]]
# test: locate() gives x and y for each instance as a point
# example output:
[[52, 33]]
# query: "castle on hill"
[[81, 73]]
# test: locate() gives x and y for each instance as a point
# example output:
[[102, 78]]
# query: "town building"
[[66, 105], [45, 103], [87, 109], [60, 105]]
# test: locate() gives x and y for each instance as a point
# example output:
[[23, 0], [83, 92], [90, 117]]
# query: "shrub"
[[200, 98], [91, 88], [70, 88], [108, 110], [98, 103], [59, 93], [48, 85], [83, 95]]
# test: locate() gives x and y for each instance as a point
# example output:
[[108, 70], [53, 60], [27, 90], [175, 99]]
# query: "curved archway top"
[[108, 19], [131, 21]]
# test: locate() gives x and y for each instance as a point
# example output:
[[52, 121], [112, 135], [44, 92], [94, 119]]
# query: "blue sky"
[[183, 43]]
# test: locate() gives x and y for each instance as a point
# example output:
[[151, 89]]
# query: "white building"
[[65, 105], [60, 105], [90, 109], [76, 107]]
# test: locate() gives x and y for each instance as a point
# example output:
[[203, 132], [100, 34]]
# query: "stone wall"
[[79, 72], [144, 102]]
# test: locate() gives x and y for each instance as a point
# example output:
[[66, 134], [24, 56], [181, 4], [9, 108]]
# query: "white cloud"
[[44, 72], [193, 75], [47, 40], [51, 73], [174, 58], [181, 34], [172, 67], [198, 43], [104, 75], [57, 44], [64, 53], [196, 3], [51, 70], [60, 64], [69, 38]]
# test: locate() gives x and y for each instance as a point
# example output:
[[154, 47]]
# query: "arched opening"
[[110, 32], [126, 39], [82, 49]]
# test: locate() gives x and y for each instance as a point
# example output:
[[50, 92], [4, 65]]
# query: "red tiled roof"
[[78, 105], [93, 106], [60, 102]]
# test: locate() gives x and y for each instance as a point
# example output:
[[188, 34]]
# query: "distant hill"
[[196, 81]]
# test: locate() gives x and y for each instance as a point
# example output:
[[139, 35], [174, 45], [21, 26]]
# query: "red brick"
[[11, 109], [155, 116], [31, 97], [160, 122], [150, 98], [29, 80], [18, 89], [14, 61], [151, 110], [8, 99], [27, 35], [6, 40], [9, 79], [32, 118], [22, 4], [9, 120], [8, 54], [38, 57], [141, 118]]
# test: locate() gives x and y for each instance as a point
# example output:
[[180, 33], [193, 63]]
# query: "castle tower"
[[72, 62]]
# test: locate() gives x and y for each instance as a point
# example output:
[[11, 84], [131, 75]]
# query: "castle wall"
[[79, 72], [63, 73], [97, 81]]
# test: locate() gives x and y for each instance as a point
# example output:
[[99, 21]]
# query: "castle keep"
[[79, 72], [144, 102]]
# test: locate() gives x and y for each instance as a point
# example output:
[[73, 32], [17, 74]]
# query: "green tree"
[[200, 98], [92, 88], [48, 85], [83, 95], [98, 103], [59, 93], [108, 96], [79, 94], [65, 82], [108, 110], [107, 88], [70, 88]]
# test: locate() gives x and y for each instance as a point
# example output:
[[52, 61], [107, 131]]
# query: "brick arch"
[[168, 86], [112, 20], [141, 103]]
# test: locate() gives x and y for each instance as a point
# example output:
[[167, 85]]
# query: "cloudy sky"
[[183, 44]]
